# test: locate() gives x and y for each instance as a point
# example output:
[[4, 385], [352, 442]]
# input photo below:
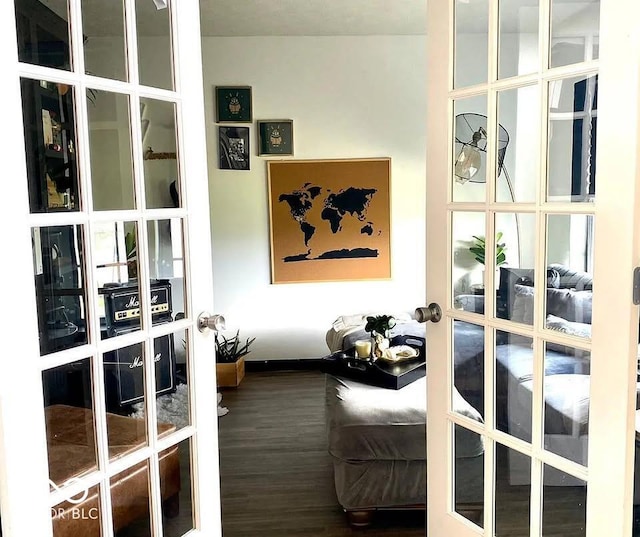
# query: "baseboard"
[[283, 365]]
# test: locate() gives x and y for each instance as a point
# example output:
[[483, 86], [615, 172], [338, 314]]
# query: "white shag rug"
[[174, 407]]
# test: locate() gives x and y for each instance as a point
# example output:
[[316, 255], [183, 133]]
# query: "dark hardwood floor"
[[276, 473]]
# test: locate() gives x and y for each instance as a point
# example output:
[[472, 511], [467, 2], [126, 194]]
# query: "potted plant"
[[479, 248], [379, 326], [230, 353]]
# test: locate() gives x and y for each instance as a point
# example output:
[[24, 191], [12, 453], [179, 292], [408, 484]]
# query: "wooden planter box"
[[230, 375]]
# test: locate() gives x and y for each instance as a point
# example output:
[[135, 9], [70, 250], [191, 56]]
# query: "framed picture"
[[233, 148], [275, 137], [233, 104], [330, 220]]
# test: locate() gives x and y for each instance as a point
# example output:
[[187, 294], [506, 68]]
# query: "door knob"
[[433, 313], [206, 321]]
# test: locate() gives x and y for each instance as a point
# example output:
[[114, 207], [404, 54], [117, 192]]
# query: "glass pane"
[[159, 139], [155, 59], [518, 39], [468, 469], [70, 421], [49, 135], [104, 51], [172, 388], [564, 504], [60, 287], [125, 398], [175, 484], [79, 515], [471, 42], [575, 31], [513, 493], [468, 370], [470, 149], [468, 261], [514, 384], [518, 142], [571, 172], [515, 259], [566, 399], [130, 502], [116, 261], [110, 144], [43, 33], [570, 273], [166, 267]]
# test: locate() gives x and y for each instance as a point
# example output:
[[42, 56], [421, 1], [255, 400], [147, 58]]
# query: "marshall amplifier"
[[122, 304], [124, 371]]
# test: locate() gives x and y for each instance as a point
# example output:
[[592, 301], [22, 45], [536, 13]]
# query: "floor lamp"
[[471, 155]]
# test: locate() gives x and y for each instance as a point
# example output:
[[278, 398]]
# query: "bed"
[[377, 438]]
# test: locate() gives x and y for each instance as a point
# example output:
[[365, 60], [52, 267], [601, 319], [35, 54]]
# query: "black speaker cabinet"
[[124, 371]]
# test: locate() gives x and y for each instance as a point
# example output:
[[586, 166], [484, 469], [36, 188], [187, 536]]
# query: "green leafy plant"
[[380, 324], [229, 350], [479, 248]]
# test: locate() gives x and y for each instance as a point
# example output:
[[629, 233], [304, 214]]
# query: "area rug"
[[173, 407]]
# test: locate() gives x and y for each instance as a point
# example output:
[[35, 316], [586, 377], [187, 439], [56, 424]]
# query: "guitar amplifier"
[[122, 304], [124, 371]]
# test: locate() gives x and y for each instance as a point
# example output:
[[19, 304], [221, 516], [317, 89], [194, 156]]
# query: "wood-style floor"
[[276, 474]]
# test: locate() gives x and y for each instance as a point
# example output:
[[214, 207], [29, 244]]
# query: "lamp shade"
[[471, 147]]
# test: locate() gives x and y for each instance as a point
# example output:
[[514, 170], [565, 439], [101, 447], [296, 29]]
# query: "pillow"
[[571, 305], [522, 311], [571, 328], [506, 291]]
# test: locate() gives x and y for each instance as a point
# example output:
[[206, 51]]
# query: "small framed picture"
[[275, 137], [233, 104], [233, 148]]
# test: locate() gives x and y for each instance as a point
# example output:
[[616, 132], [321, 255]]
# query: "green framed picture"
[[233, 104], [275, 137]]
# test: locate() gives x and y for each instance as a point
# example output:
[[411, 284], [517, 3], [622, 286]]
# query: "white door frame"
[[617, 251], [24, 488]]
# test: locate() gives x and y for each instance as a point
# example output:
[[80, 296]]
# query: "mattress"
[[365, 423]]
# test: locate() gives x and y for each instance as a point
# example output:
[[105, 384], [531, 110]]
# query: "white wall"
[[348, 97]]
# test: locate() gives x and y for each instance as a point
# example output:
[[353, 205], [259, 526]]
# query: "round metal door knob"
[[206, 322], [433, 313]]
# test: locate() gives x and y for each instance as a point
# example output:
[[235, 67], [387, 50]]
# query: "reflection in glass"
[[49, 135], [171, 357], [104, 56], [566, 399], [110, 145], [166, 265], [60, 287], [517, 165], [468, 369], [514, 385], [468, 261], [564, 504], [81, 516], [575, 31], [471, 42], [159, 139], [470, 143], [43, 33], [573, 117], [130, 502], [70, 421], [116, 274], [175, 484], [518, 39], [468, 468], [513, 498], [155, 57]]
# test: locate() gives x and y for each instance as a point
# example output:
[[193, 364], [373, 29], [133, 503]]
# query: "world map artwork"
[[334, 209]]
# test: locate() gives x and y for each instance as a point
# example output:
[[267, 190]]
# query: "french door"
[[532, 180], [107, 395]]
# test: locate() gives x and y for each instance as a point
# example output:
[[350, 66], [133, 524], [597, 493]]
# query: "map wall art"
[[330, 220]]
